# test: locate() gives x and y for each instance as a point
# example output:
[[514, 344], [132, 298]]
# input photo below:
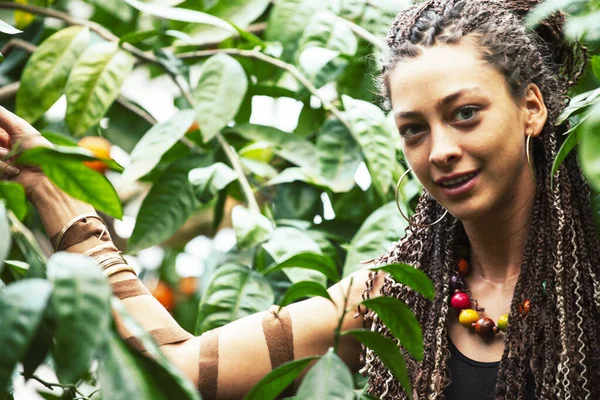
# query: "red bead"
[[463, 267], [525, 308], [485, 327], [460, 301]]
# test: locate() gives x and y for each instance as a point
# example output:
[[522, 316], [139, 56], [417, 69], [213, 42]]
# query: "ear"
[[535, 111]]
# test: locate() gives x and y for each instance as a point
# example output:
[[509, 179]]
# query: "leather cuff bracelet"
[[79, 229]]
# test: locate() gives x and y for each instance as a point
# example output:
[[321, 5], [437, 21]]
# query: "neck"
[[497, 254]]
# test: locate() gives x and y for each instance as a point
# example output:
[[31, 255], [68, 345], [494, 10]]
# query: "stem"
[[295, 72], [51, 385], [364, 34], [149, 58], [22, 44], [336, 342]]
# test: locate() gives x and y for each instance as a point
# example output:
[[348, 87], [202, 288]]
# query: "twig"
[[364, 34], [22, 44], [295, 72], [8, 91], [51, 385], [336, 342]]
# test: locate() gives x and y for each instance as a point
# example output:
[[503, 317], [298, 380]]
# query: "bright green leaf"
[[275, 382], [94, 83], [312, 261], [47, 155], [59, 139], [234, 292], [301, 290], [388, 353], [170, 202], [209, 181], [339, 155], [14, 196], [589, 149], [17, 268], [327, 31], [160, 138], [251, 228], [139, 36], [369, 129], [81, 300], [578, 104], [411, 277], [220, 92], [47, 71], [568, 145], [383, 227], [22, 306], [401, 322], [329, 378], [6, 242]]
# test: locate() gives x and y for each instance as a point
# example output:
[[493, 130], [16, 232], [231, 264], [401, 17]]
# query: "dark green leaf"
[[234, 292], [160, 138], [388, 353], [220, 92], [328, 379], [251, 228], [339, 155], [32, 252], [94, 83], [278, 379], [170, 202], [209, 181], [566, 148], [411, 277], [6, 242], [47, 71], [41, 343], [22, 305], [47, 155], [14, 196], [140, 36], [301, 290], [312, 261], [297, 200], [589, 150], [81, 300], [401, 322], [578, 104], [381, 229]]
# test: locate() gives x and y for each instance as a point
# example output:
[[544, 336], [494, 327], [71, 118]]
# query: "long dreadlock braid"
[[557, 342]]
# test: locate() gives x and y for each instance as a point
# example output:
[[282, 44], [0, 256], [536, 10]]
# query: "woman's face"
[[456, 118]]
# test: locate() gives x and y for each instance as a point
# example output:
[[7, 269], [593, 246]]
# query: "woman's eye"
[[465, 113], [411, 130]]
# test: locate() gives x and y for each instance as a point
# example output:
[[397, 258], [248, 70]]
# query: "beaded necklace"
[[469, 317]]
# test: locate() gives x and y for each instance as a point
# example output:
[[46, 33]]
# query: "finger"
[[12, 123], [4, 139], [9, 169]]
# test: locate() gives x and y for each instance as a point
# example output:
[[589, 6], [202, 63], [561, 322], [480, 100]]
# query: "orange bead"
[[463, 267], [525, 308]]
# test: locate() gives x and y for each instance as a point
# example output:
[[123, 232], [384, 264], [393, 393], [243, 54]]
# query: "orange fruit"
[[188, 285], [100, 147], [164, 294], [194, 127]]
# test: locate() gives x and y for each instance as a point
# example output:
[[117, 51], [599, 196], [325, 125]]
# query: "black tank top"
[[475, 380]]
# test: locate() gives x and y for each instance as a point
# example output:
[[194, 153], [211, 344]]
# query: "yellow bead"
[[503, 322], [468, 317]]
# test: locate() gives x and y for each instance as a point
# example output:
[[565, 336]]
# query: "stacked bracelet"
[[78, 230]]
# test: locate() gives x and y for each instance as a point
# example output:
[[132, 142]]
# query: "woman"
[[474, 97]]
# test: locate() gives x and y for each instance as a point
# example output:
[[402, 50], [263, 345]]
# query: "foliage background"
[[253, 167]]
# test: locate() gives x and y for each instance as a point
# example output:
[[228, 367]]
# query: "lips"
[[459, 184], [457, 181]]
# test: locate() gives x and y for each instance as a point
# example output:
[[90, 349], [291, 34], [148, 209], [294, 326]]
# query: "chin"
[[467, 210]]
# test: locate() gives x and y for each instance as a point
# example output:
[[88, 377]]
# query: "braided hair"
[[557, 342]]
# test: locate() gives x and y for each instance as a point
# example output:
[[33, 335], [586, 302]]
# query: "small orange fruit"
[[194, 127], [188, 285], [164, 294], [100, 147]]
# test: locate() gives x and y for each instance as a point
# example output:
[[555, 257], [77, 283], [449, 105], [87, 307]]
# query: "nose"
[[445, 148]]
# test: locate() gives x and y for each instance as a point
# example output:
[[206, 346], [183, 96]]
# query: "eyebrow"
[[440, 104]]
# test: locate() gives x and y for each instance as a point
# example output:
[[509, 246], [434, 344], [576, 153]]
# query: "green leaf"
[[251, 228], [275, 382], [596, 211], [47, 71], [32, 252], [14, 195], [170, 202], [568, 145], [47, 155], [411, 277], [387, 351], [41, 344], [8, 29], [296, 150], [339, 155], [22, 306], [234, 292], [140, 36], [160, 138], [401, 322], [546, 8], [583, 28], [81, 300], [589, 150], [328, 379], [209, 181], [59, 139], [80, 182], [595, 63], [286, 242], [578, 104], [17, 268], [328, 31], [312, 261], [301, 290], [288, 20], [297, 200], [6, 242], [94, 83], [383, 227], [238, 12], [369, 129], [220, 92], [180, 14]]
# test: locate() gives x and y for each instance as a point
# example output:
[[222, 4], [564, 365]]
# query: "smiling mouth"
[[454, 183]]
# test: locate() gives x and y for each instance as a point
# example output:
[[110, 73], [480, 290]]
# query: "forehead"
[[439, 71]]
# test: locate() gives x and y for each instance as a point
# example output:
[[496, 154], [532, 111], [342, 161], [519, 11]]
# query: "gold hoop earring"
[[529, 160], [400, 208]]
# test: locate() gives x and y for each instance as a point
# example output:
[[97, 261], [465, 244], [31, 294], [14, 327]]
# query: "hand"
[[16, 136]]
